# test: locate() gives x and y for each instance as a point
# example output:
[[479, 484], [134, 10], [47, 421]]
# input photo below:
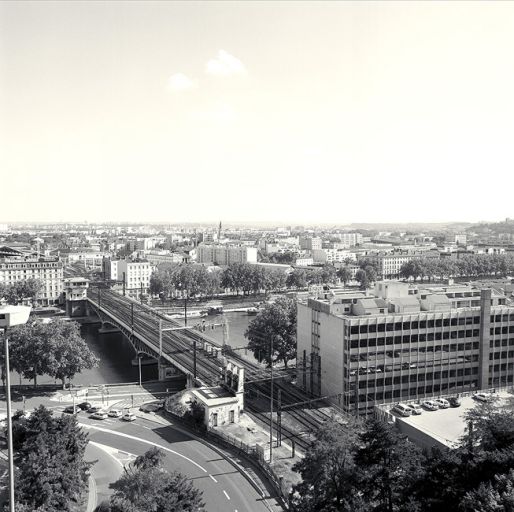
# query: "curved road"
[[224, 487]]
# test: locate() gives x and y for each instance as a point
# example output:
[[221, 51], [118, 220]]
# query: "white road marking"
[[134, 438], [109, 450], [213, 479], [225, 493]]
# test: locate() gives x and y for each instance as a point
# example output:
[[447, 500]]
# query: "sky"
[[306, 112]]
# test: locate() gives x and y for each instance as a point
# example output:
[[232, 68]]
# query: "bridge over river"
[[202, 359]]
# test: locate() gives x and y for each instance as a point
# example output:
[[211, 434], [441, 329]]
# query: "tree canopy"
[[372, 467], [275, 322], [146, 486], [51, 474], [56, 349], [15, 293]]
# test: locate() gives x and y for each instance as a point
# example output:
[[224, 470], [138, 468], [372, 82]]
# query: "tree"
[[70, 352], [16, 292], [344, 274], [361, 277], [146, 486], [297, 279], [51, 472], [388, 466], [494, 496], [276, 322], [56, 349], [329, 472]]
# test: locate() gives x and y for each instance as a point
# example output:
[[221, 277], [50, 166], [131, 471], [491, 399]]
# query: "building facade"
[[404, 343], [308, 243], [225, 254], [48, 270]]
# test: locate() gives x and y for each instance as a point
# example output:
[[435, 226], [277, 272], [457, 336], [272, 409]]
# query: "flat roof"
[[444, 426]]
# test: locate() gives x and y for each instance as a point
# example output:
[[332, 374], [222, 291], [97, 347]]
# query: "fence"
[[248, 451]]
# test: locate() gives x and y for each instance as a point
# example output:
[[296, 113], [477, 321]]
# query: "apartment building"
[[350, 239], [403, 343], [134, 274], [389, 265], [308, 243], [225, 254], [331, 255], [48, 270]]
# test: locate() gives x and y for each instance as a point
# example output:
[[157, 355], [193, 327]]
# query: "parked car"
[[71, 410], [129, 416], [115, 413], [152, 406], [93, 409], [483, 397], [99, 415], [415, 408], [442, 403], [402, 409], [430, 405], [454, 401], [84, 406]]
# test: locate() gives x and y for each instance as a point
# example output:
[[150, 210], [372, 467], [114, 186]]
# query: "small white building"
[[223, 404]]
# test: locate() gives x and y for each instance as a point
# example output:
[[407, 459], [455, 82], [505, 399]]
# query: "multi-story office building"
[[48, 270], [404, 342], [309, 243], [225, 254]]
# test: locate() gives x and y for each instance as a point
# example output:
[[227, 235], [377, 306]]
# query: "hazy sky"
[[308, 112]]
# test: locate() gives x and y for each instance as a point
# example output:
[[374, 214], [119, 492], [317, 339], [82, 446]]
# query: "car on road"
[[129, 416], [84, 406], [442, 403], [483, 397], [454, 401], [416, 409], [99, 415], [71, 410], [115, 413], [402, 409], [94, 408], [430, 405]]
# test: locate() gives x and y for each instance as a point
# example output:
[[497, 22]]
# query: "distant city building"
[[226, 254], [461, 239], [389, 265], [331, 255], [18, 266], [350, 239], [310, 243], [404, 343], [135, 274], [304, 262]]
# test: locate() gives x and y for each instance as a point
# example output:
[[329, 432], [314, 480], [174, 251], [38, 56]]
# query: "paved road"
[[224, 486]]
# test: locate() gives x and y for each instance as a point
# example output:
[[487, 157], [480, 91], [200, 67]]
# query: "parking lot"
[[445, 426]]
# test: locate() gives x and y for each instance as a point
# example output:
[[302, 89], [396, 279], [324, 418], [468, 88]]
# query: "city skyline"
[[311, 113]]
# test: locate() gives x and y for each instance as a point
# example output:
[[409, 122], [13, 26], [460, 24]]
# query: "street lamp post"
[[9, 317]]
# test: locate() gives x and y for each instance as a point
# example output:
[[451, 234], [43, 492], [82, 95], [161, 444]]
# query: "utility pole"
[[271, 402], [279, 418], [132, 317], [123, 284]]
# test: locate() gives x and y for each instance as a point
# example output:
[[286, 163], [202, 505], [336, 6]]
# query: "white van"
[[402, 409]]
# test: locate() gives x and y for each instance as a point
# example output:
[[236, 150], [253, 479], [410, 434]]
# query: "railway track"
[[297, 422]]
